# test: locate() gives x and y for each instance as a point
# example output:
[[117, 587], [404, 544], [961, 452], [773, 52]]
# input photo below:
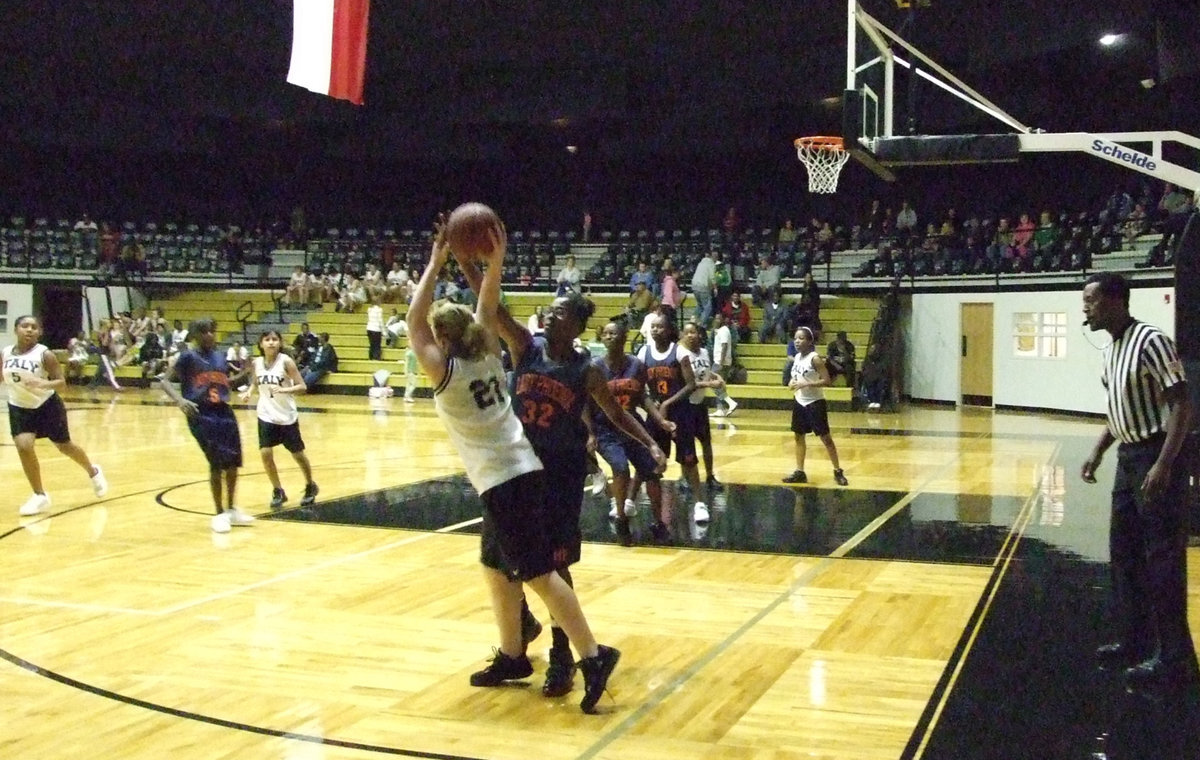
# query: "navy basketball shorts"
[[515, 539], [215, 428]]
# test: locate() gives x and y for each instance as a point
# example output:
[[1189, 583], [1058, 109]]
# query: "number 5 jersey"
[[476, 409]]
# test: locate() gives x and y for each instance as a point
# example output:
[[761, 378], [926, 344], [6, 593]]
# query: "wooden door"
[[975, 370]]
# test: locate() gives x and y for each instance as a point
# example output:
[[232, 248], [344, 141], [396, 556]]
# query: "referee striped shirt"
[[1138, 367]]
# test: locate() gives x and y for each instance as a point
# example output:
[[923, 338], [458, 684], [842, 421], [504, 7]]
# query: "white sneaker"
[[99, 482], [730, 406], [599, 483], [35, 504], [630, 508], [873, 405], [409, 400], [718, 412], [220, 523], [701, 512], [238, 517], [612, 504]]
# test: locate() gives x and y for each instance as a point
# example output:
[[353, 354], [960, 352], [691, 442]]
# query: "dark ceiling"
[[475, 77], [449, 82]]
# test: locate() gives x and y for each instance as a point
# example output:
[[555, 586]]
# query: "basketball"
[[468, 228]]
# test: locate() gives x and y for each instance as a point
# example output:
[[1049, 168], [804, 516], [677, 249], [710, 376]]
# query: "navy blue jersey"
[[626, 386], [203, 377], [664, 374], [549, 398]]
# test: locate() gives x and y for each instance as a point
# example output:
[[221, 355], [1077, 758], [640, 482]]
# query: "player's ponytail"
[[454, 323]]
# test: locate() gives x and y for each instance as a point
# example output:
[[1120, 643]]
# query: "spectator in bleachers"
[[1136, 224], [1046, 234], [722, 283], [398, 280], [824, 244], [237, 356], [352, 296], [871, 226], [736, 313], [179, 337], [537, 321], [672, 296], [702, 287], [151, 357], [774, 323], [304, 346], [1117, 208], [133, 259], [768, 278], [296, 292], [569, 278], [1174, 209], [395, 328], [1023, 237], [109, 245], [324, 361], [787, 235], [77, 356], [641, 302], [840, 358], [103, 348], [374, 283], [644, 276], [1001, 249]]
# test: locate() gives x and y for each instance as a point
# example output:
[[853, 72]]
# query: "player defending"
[[810, 414], [278, 381], [35, 410]]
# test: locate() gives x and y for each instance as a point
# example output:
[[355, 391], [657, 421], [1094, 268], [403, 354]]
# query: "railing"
[[245, 311]]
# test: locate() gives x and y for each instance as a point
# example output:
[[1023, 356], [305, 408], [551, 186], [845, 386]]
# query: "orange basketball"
[[468, 228]]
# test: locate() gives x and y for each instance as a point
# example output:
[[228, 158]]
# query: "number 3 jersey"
[[474, 405]]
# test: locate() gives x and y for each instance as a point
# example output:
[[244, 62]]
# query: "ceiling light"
[[1109, 39]]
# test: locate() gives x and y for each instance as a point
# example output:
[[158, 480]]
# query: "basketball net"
[[824, 158]]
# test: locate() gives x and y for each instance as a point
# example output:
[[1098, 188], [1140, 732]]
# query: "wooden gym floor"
[[945, 605]]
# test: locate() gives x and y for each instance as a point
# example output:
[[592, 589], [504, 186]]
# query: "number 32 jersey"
[[475, 407], [550, 401]]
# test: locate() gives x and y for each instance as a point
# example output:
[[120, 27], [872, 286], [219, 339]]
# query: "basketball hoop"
[[824, 158]]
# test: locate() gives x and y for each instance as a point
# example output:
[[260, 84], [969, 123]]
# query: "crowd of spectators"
[[352, 267]]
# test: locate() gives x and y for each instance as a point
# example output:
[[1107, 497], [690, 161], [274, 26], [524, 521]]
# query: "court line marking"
[[718, 649], [80, 606], [336, 561], [1002, 563]]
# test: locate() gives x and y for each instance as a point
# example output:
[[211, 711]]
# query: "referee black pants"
[[1148, 545]]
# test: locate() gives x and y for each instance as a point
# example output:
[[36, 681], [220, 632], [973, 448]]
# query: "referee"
[[1148, 413]]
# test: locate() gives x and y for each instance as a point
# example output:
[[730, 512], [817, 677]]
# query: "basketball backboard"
[[877, 57]]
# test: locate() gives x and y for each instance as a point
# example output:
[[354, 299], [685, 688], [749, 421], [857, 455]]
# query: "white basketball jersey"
[[19, 368], [702, 369], [474, 405], [803, 369], [273, 407]]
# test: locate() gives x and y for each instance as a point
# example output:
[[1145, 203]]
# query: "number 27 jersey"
[[473, 403]]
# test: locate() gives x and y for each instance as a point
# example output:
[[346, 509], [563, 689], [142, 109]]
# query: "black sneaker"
[[531, 627], [278, 498], [624, 534], [714, 484], [560, 676], [840, 478], [503, 668], [797, 476], [660, 534], [310, 495], [596, 671]]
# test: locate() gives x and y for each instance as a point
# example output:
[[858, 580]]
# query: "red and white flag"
[[329, 47]]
